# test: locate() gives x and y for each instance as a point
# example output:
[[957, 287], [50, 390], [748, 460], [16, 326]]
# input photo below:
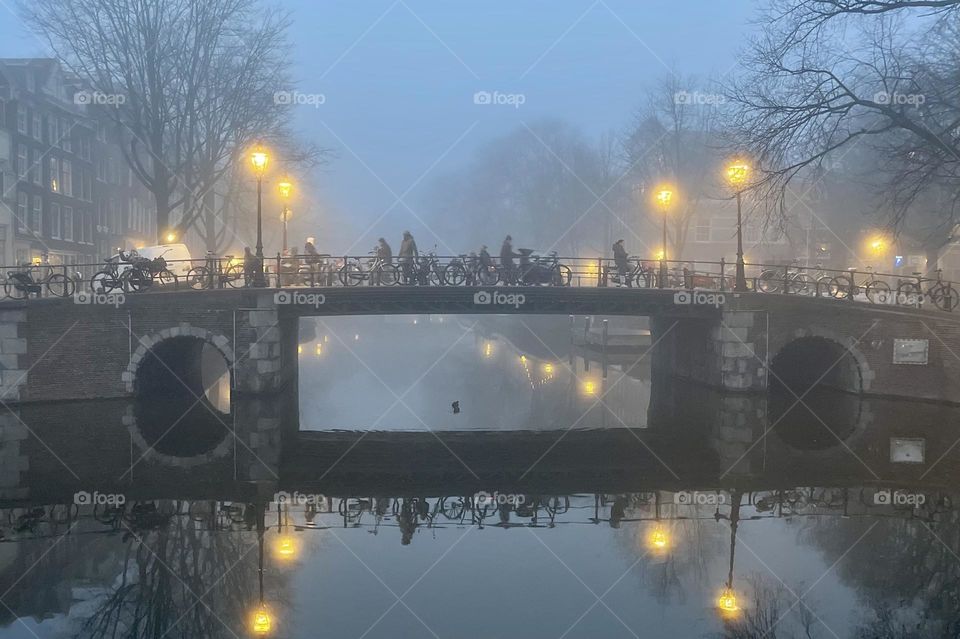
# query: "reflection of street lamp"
[[285, 187], [259, 160], [261, 621], [664, 198], [738, 172], [658, 539], [727, 601]]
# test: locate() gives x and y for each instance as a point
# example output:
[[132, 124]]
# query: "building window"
[[702, 231], [67, 177], [68, 223], [66, 130], [23, 164], [22, 119], [53, 131], [36, 167], [22, 211], [36, 217], [54, 168], [55, 220], [37, 126]]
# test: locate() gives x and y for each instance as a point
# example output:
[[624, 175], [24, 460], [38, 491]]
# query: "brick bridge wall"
[[58, 350], [732, 351]]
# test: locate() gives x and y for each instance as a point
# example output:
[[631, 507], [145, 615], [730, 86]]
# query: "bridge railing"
[[215, 272]]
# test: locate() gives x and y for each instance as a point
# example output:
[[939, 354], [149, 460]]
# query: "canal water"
[[480, 477]]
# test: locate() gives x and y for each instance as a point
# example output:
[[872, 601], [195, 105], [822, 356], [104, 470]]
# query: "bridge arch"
[[819, 357]]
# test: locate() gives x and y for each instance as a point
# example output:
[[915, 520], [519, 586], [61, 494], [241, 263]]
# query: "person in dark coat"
[[620, 258], [408, 253], [251, 266], [506, 261], [384, 252]]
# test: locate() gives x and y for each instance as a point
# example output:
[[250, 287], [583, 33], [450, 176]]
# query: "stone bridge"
[[55, 349]]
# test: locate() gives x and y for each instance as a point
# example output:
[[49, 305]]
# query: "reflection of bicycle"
[[941, 293]]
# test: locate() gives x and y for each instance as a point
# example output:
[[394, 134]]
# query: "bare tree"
[[674, 139], [827, 75], [198, 80]]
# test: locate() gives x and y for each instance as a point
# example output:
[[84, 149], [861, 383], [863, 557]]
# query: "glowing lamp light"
[[171, 237], [664, 197], [727, 602], [259, 160], [658, 539], [356, 337], [36, 260], [878, 245], [661, 254], [285, 187], [548, 369], [738, 172], [299, 350], [262, 622], [319, 349], [286, 547], [589, 387]]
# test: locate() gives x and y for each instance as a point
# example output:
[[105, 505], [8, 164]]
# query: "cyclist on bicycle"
[[620, 258], [408, 252], [506, 261], [384, 252]]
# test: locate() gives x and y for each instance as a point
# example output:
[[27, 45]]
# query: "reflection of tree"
[[770, 614], [179, 580], [915, 589]]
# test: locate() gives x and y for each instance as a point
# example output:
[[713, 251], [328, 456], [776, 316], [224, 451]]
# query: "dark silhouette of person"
[[310, 252], [384, 252], [506, 261], [622, 262], [408, 253], [251, 265]]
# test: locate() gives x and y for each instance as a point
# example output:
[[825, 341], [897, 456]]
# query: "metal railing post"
[[723, 274], [279, 266], [786, 279], [661, 280], [601, 275]]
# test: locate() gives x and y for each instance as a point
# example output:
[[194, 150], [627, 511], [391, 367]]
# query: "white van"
[[173, 254]]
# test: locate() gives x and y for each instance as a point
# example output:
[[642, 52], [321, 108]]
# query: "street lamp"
[[738, 172], [259, 160], [664, 197], [285, 187]]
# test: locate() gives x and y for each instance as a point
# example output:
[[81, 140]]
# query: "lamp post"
[[259, 159], [285, 187], [664, 198], [738, 172]]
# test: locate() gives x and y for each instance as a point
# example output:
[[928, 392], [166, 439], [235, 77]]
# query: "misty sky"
[[398, 79]]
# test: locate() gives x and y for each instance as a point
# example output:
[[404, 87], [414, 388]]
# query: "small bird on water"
[[456, 407]]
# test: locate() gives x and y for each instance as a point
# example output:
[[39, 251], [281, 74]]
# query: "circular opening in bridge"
[[810, 362], [183, 392]]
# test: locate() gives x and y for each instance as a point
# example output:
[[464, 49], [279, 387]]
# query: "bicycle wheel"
[[351, 274], [134, 280], [233, 276], [13, 291], [198, 278], [878, 292], [60, 285], [488, 275], [768, 282], [944, 296], [104, 282], [561, 276], [435, 276], [839, 287], [823, 285], [801, 284], [166, 278], [455, 274], [389, 274], [909, 294]]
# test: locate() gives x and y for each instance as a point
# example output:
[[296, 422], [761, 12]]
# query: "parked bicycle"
[[353, 272], [21, 284], [846, 287], [216, 273], [942, 294]]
